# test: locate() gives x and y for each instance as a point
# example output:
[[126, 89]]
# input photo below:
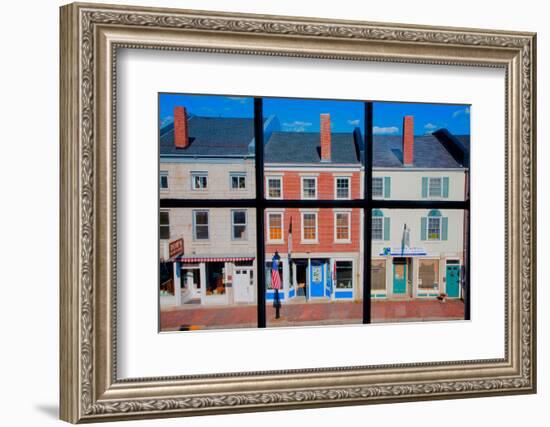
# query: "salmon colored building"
[[319, 247]]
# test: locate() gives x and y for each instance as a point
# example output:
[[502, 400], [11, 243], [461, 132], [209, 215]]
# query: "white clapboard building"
[[419, 253]]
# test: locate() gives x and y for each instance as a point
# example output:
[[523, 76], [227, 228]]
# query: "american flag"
[[275, 279]]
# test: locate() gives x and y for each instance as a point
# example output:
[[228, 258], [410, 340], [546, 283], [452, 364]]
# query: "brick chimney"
[[181, 134], [408, 140], [325, 137]]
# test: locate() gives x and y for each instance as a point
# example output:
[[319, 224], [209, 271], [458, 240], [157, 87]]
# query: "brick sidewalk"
[[311, 313]]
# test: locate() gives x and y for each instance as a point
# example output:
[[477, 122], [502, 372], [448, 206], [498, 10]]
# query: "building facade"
[[207, 158], [319, 248], [419, 253], [208, 255]]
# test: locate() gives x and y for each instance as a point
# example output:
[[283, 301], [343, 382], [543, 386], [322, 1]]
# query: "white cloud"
[[239, 99], [353, 122], [166, 120], [297, 126], [465, 110], [430, 126], [385, 130]]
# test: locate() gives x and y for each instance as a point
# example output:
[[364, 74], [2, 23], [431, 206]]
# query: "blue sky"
[[303, 115], [205, 105], [388, 118]]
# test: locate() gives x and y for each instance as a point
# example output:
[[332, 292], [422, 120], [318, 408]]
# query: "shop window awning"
[[213, 258]]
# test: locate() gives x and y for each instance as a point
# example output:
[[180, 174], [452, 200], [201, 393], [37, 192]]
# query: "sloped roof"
[[429, 152], [305, 147], [211, 136]]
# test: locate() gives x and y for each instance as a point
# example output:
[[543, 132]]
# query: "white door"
[[241, 286]]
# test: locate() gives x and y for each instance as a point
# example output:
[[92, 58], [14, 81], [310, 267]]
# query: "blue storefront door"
[[317, 279], [452, 278], [399, 278]]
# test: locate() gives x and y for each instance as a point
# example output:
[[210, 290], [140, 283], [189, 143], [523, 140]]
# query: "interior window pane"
[[318, 260], [203, 140], [326, 136], [415, 276], [206, 270]]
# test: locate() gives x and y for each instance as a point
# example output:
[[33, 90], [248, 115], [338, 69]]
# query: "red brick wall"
[[408, 140], [325, 233], [325, 138], [181, 135], [292, 185]]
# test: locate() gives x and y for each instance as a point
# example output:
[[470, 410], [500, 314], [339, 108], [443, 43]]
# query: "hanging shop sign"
[[175, 247]]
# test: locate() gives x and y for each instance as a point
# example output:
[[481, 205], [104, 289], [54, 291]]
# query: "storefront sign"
[[405, 251], [175, 248]]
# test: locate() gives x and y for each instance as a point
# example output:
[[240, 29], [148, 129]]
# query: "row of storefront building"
[[208, 255]]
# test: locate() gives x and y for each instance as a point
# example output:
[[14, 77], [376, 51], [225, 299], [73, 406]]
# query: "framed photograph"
[[266, 212]]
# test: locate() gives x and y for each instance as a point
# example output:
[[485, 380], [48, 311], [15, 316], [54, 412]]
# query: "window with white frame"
[[164, 180], [435, 187], [201, 225], [434, 228], [428, 274], [377, 187], [309, 226], [342, 226], [238, 225], [199, 180], [378, 275], [344, 274], [274, 187], [342, 187], [377, 228], [275, 226], [238, 180], [309, 188], [164, 225]]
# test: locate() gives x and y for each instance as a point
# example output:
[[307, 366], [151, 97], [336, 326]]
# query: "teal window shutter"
[[423, 224], [444, 227], [445, 186], [424, 187], [387, 187], [386, 228]]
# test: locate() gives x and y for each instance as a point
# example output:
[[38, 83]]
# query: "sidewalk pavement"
[[310, 313]]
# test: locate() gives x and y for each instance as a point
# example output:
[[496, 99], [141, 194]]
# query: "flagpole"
[[277, 284]]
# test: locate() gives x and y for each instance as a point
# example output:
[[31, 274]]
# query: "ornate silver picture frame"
[[91, 389]]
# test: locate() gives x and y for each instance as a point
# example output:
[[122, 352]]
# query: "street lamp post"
[[276, 283]]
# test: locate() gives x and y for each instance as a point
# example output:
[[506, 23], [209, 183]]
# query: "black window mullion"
[[367, 214], [297, 203], [260, 209]]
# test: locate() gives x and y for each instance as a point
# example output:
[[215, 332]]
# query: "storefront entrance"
[[399, 276], [243, 285], [317, 278], [300, 266], [452, 279], [191, 285]]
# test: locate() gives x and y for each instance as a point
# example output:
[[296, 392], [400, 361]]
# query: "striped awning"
[[214, 259]]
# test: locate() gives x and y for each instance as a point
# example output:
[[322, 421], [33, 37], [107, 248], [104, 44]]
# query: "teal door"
[[452, 279], [399, 278]]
